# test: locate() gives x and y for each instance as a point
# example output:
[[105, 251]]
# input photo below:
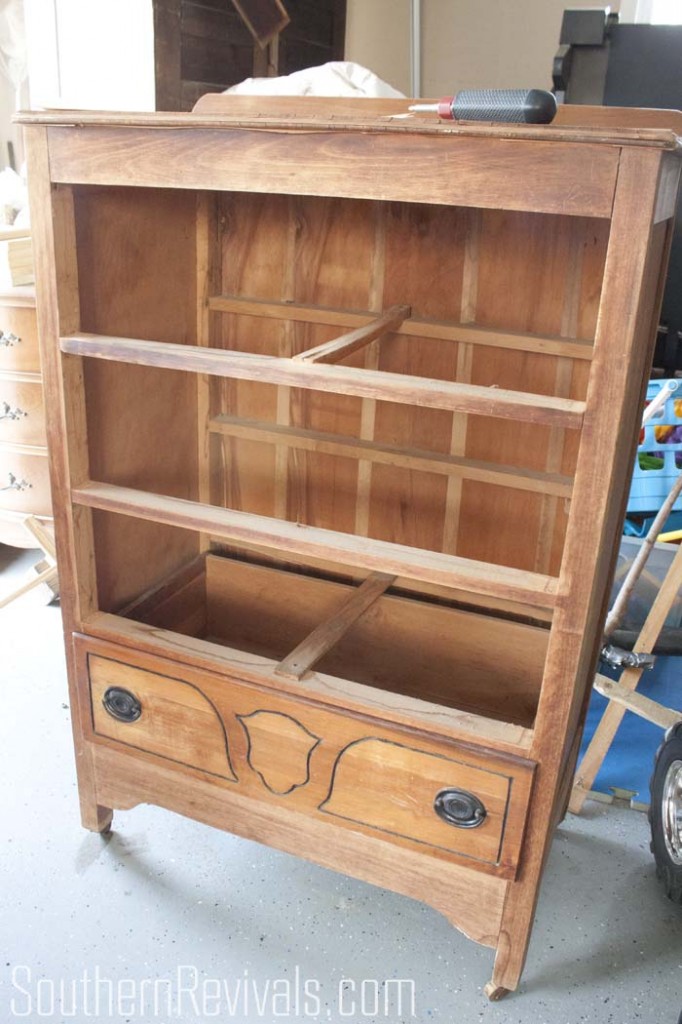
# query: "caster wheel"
[[665, 813]]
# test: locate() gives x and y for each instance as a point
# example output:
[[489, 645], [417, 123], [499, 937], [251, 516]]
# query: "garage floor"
[[165, 898]]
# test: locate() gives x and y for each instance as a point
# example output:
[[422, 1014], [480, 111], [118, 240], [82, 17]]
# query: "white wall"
[[91, 54]]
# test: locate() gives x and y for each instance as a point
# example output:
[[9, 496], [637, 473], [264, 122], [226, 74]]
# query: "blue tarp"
[[629, 762]]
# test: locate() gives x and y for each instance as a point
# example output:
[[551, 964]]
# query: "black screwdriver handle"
[[513, 106]]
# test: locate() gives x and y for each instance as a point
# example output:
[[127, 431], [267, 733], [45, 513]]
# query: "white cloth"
[[337, 78]]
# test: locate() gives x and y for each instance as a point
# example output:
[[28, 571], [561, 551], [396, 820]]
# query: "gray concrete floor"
[[165, 898]]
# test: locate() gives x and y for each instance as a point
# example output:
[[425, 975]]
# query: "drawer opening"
[[367, 630]]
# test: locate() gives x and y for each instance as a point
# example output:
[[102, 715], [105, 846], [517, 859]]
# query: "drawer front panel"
[[24, 480], [19, 339], [447, 800], [393, 787], [163, 715], [22, 413]]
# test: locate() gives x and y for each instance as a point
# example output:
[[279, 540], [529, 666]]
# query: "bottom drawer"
[[449, 800]]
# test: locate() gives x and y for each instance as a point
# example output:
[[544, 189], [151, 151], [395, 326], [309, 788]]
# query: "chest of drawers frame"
[[341, 413]]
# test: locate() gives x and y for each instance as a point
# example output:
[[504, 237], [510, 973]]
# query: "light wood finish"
[[383, 648], [464, 726], [562, 179], [390, 787], [206, 242], [600, 494], [47, 575], [177, 721], [597, 125], [337, 349], [57, 310], [340, 380], [274, 746], [119, 295], [625, 120], [516, 611], [392, 455], [471, 900], [414, 563], [415, 327], [614, 711], [651, 710], [210, 252], [328, 633]]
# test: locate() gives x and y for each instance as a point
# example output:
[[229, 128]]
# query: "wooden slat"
[[48, 575], [264, 19], [563, 381], [416, 328], [392, 455], [382, 556], [207, 267], [498, 173], [336, 349], [609, 722], [328, 633], [340, 380], [368, 406], [630, 700], [464, 368]]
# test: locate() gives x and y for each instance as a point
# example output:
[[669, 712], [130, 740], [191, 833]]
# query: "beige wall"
[[496, 44], [465, 43], [378, 37]]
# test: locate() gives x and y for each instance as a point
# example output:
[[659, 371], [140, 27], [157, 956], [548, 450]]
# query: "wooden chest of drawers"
[[343, 411], [24, 473]]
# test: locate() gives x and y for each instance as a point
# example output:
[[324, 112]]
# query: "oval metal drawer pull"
[[457, 807], [122, 704], [8, 338], [7, 413], [15, 484]]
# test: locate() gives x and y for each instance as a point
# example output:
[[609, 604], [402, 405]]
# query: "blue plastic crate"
[[650, 487]]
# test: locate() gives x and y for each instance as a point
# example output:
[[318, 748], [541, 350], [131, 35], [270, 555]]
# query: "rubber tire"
[[669, 873]]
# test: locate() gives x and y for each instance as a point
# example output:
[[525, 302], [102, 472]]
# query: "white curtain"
[[13, 62]]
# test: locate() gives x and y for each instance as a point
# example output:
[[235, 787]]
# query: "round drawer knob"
[[457, 807], [122, 704]]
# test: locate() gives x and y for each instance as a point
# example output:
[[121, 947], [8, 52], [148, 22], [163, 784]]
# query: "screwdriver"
[[512, 106]]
